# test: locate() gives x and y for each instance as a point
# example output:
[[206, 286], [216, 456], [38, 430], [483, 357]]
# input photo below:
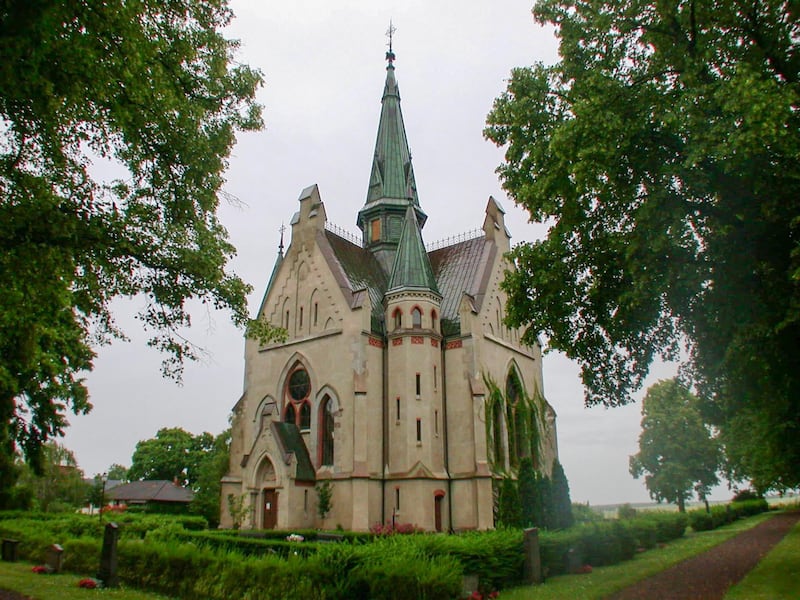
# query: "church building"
[[398, 388]]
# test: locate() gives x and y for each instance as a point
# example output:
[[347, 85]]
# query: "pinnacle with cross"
[[389, 34]]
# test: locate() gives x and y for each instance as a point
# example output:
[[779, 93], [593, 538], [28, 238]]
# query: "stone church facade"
[[398, 381]]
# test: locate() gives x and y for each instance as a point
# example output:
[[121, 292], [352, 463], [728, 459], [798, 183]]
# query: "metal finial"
[[280, 246], [390, 34]]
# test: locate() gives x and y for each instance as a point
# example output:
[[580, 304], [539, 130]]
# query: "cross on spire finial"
[[390, 34], [280, 246]]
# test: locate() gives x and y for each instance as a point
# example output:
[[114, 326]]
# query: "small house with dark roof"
[[399, 382], [153, 493]]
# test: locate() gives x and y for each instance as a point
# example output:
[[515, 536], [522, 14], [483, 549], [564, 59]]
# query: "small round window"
[[299, 385]]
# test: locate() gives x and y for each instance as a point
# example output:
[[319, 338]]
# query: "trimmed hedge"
[[607, 542], [719, 515]]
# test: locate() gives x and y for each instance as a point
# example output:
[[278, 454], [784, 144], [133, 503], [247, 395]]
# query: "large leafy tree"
[[150, 87], [212, 468], [678, 454], [59, 486], [173, 454], [662, 150]]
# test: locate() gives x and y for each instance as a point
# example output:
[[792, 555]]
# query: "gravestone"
[[533, 562], [54, 559], [108, 557], [10, 550]]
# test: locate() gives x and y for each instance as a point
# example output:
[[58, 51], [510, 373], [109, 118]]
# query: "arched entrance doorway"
[[267, 482]]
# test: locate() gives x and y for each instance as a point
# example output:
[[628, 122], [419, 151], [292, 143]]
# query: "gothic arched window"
[[298, 390], [326, 431], [416, 318]]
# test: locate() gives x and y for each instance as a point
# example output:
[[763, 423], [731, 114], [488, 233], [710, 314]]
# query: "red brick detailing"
[[434, 342], [375, 342], [397, 341], [417, 339], [453, 344]]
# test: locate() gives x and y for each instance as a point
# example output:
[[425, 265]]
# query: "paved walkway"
[[708, 576]]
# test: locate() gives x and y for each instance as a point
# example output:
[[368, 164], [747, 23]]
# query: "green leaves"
[[677, 453], [150, 86], [662, 151]]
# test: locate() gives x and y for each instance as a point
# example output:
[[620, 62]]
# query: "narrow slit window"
[[397, 404], [436, 422], [419, 430], [419, 385], [301, 317], [397, 498], [435, 378], [316, 313]]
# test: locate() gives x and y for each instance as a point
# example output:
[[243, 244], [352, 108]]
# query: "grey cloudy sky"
[[323, 64]]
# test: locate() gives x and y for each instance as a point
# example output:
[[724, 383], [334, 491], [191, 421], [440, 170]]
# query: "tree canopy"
[[173, 454], [152, 88], [677, 454], [662, 150]]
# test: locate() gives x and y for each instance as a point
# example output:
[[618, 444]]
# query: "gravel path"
[[708, 576]]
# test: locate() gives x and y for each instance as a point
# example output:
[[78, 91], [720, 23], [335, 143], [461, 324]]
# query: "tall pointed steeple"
[[412, 268], [392, 186]]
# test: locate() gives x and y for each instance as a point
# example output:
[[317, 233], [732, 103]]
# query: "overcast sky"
[[323, 64]]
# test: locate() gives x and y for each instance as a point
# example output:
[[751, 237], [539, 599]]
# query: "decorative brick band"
[[453, 344], [417, 339], [375, 342], [434, 342], [398, 341]]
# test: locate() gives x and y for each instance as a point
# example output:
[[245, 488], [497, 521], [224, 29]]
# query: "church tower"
[[415, 461]]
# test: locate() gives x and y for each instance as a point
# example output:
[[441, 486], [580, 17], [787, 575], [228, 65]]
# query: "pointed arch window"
[[305, 416], [416, 318], [397, 318], [517, 413], [326, 431], [298, 406], [434, 320]]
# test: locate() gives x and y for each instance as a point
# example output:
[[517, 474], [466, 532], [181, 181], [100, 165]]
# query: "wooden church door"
[[270, 509]]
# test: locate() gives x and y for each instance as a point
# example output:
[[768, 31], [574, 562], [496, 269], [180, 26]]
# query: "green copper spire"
[[392, 187], [392, 175], [412, 267]]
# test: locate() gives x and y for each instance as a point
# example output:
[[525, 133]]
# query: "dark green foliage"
[[509, 511], [607, 542], [746, 494], [324, 496], [662, 151], [212, 467], [173, 454], [560, 504], [718, 515], [530, 496]]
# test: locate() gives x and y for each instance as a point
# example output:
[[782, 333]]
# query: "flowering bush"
[[294, 537], [389, 529], [476, 595], [39, 569], [88, 583]]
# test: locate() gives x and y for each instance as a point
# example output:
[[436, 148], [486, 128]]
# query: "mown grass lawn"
[[776, 577], [606, 580], [19, 578]]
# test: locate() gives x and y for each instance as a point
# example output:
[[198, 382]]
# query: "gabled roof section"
[[158, 490], [291, 442], [462, 268], [392, 175], [412, 267], [356, 270]]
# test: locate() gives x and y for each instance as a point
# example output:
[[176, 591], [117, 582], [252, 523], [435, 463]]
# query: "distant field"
[[610, 510]]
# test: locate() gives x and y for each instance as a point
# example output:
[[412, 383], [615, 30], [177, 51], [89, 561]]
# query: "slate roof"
[[458, 268], [288, 436], [362, 272], [157, 490]]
